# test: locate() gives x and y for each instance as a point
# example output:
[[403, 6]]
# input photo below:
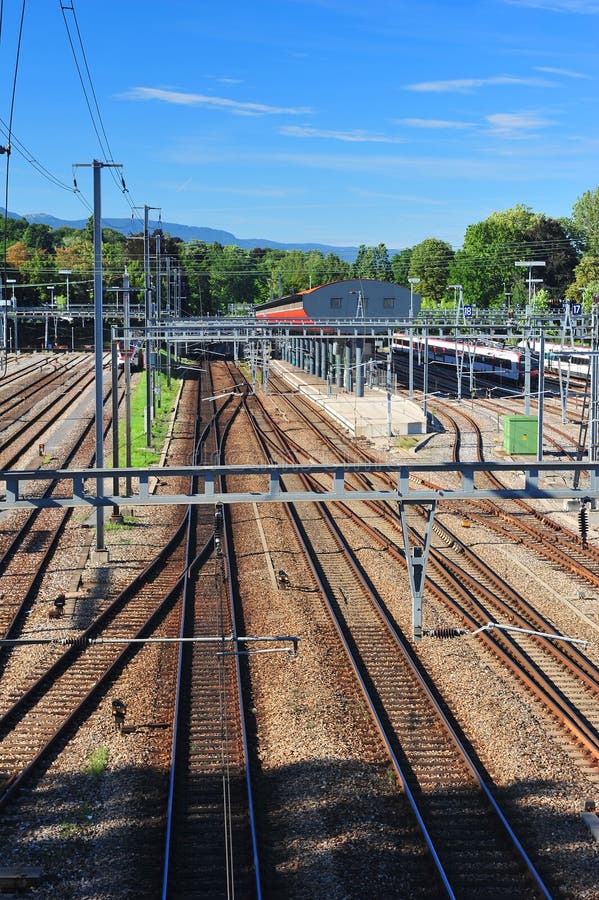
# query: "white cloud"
[[353, 137], [515, 125], [237, 107], [586, 7], [224, 79], [566, 73], [464, 85], [431, 123]]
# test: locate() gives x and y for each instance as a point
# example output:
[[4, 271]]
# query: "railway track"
[[78, 668], [447, 790], [28, 550], [24, 388], [29, 428], [211, 846], [519, 521], [561, 675]]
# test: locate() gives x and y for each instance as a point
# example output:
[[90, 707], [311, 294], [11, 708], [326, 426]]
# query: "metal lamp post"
[[530, 265], [12, 282], [66, 272], [412, 281]]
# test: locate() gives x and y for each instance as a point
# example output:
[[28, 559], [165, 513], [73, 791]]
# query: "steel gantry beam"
[[531, 480], [411, 482]]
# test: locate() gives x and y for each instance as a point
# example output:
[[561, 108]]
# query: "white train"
[[574, 359], [494, 362], [136, 356]]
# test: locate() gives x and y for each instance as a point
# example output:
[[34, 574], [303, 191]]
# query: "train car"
[[136, 356], [506, 364], [569, 358]]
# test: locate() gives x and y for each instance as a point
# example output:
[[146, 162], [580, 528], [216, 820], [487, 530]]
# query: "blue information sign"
[[467, 312], [576, 309]]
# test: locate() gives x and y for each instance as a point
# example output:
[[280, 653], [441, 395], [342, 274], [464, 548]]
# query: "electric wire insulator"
[[446, 632], [80, 642], [583, 524]]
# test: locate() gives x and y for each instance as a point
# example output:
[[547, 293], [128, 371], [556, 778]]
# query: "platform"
[[366, 416]]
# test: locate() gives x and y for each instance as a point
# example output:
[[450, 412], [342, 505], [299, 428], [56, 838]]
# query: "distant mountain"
[[192, 233]]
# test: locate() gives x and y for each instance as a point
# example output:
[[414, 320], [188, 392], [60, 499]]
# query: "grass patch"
[[79, 825], [141, 455], [405, 442], [96, 762], [124, 524]]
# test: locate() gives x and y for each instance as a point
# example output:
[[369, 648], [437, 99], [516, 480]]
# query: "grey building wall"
[[343, 299]]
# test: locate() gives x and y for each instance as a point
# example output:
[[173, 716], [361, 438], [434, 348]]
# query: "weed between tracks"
[[96, 762]]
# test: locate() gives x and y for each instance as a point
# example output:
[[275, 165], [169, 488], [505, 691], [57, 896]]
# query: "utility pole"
[[148, 316], [158, 392], [594, 406], [412, 281], [127, 346], [148, 305], [389, 360], [528, 264], [97, 167]]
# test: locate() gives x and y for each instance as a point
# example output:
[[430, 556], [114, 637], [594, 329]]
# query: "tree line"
[[217, 279]]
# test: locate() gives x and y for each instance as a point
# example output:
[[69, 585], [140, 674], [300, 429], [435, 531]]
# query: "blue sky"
[[333, 121]]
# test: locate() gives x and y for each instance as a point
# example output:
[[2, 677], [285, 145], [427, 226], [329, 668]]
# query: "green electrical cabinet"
[[520, 434]]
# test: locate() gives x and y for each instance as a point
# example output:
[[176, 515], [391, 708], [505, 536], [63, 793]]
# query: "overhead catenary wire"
[[99, 126], [91, 99], [9, 131], [16, 144]]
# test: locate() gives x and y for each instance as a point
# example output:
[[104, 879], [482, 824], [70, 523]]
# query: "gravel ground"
[[331, 802]]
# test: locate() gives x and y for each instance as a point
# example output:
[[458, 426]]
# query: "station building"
[[352, 298], [332, 331]]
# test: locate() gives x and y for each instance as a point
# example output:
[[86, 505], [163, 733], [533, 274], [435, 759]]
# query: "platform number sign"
[[467, 312], [576, 309]]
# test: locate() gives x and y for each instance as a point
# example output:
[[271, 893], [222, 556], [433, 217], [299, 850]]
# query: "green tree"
[[549, 239], [485, 264], [542, 301], [400, 266], [232, 280], [372, 262], [12, 229], [585, 215], [382, 264], [431, 260], [39, 269], [590, 295], [586, 275], [364, 263], [196, 260], [39, 237]]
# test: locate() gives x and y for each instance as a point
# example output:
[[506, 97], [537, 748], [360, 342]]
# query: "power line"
[[17, 145], [7, 148], [96, 119]]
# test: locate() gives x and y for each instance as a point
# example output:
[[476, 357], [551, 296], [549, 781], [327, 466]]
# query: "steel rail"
[[313, 560], [171, 832]]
